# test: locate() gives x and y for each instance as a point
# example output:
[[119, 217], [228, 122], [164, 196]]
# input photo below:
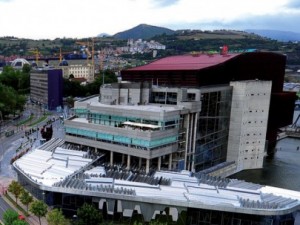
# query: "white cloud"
[[77, 18]]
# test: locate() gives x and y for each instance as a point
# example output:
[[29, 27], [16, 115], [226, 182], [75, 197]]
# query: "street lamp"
[[74, 218], [43, 193]]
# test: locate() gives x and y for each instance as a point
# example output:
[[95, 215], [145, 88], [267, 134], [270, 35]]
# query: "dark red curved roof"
[[186, 62]]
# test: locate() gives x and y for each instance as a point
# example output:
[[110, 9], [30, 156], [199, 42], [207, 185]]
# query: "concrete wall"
[[248, 123]]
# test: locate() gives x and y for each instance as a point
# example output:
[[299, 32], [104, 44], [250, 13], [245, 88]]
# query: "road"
[[9, 145], [3, 207]]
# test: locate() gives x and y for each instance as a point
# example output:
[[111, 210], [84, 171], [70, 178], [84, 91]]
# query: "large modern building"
[[207, 116], [153, 125], [64, 176], [46, 88], [192, 129], [198, 70]]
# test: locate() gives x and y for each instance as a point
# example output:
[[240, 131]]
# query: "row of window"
[[258, 94], [253, 122], [257, 110], [254, 134], [113, 120], [122, 139], [257, 150]]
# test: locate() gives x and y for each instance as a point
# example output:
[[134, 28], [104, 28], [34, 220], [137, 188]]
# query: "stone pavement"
[[32, 220]]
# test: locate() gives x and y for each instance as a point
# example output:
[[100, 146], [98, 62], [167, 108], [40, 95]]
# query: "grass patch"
[[16, 205], [39, 120], [25, 121]]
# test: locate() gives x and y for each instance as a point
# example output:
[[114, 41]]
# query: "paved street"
[[3, 207], [9, 147]]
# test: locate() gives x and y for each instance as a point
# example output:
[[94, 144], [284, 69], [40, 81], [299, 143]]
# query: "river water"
[[283, 170]]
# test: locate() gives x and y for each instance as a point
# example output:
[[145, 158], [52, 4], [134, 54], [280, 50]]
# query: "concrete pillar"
[[194, 141], [147, 165], [159, 163], [128, 161], [111, 158], [140, 162], [170, 161], [123, 158], [187, 141]]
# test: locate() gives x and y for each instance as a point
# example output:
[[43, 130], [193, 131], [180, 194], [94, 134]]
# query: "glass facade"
[[122, 140], [169, 98], [213, 128], [211, 217], [117, 121]]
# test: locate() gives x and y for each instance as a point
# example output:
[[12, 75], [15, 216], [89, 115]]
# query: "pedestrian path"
[[4, 182]]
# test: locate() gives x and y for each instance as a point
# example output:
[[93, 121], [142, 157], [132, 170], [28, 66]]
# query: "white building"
[[79, 71]]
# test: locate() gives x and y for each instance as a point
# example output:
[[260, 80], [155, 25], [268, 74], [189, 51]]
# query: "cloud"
[[281, 21], [293, 4], [46, 20], [165, 3]]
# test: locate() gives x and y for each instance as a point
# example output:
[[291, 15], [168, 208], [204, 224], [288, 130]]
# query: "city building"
[[46, 87], [65, 176], [203, 69], [140, 46], [163, 140], [78, 71], [176, 128]]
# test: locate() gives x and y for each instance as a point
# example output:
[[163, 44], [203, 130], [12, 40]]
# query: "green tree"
[[20, 222], [55, 217], [73, 88], [109, 77], [39, 209], [10, 77], [16, 189], [10, 216], [26, 199], [88, 214], [10, 100]]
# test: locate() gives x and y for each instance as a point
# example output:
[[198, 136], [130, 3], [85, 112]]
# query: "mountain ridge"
[[278, 35], [143, 31]]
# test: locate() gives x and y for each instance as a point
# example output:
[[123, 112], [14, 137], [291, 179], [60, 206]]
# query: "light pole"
[[43, 193], [1, 122], [1, 145]]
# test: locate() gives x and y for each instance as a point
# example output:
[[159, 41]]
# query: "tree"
[[20, 222], [88, 214], [26, 199], [55, 217], [39, 209], [16, 189], [10, 216], [10, 100]]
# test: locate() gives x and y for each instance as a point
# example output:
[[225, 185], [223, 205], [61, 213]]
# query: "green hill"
[[143, 31]]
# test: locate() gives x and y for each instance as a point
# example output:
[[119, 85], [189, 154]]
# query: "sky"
[[50, 19]]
